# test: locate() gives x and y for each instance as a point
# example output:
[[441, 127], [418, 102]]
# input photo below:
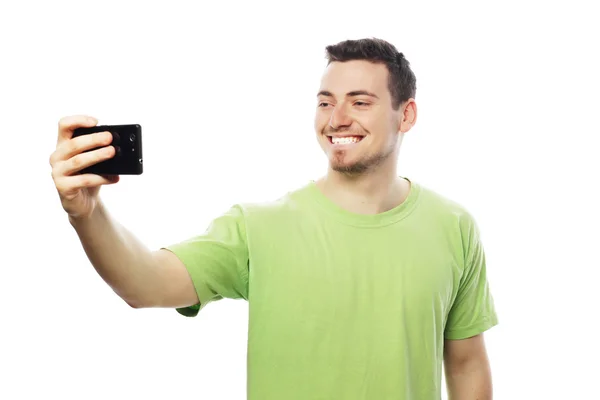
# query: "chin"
[[350, 168]]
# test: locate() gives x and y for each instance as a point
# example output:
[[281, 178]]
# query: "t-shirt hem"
[[471, 331], [193, 310]]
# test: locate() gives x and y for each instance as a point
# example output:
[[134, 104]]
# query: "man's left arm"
[[467, 369]]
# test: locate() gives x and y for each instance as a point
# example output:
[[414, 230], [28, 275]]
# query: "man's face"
[[355, 123]]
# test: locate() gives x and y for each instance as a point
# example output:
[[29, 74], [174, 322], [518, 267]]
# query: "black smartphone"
[[127, 141]]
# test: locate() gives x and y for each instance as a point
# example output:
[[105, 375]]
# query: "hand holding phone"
[[89, 156]]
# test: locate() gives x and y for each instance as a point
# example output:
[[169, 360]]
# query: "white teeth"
[[345, 140]]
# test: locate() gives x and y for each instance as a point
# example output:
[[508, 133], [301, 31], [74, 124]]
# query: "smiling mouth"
[[344, 139]]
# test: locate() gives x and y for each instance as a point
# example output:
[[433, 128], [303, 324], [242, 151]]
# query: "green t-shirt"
[[343, 305]]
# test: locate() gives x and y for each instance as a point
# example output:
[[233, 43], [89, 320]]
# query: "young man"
[[361, 284]]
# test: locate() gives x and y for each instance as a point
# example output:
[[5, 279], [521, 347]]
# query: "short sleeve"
[[473, 310], [216, 260]]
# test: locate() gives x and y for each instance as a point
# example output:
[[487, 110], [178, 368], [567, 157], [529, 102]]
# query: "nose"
[[339, 118]]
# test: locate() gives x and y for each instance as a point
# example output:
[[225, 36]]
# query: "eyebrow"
[[354, 93]]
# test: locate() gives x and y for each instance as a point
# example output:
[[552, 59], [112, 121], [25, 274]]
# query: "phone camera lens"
[[132, 137]]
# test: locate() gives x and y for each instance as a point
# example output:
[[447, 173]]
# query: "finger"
[[67, 125], [69, 185], [83, 160], [72, 147]]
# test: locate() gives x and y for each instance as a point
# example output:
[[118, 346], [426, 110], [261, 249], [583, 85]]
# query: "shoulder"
[[452, 220], [441, 203], [449, 212], [288, 204]]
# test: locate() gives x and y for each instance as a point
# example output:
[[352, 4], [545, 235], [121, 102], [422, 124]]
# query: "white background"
[[508, 126]]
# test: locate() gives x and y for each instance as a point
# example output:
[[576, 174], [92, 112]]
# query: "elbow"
[[134, 304]]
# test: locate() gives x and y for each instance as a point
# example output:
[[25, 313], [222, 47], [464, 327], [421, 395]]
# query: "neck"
[[373, 192]]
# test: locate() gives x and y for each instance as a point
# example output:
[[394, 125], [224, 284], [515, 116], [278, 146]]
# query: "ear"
[[407, 115]]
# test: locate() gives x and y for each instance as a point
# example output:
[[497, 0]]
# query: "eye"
[[323, 104], [360, 103]]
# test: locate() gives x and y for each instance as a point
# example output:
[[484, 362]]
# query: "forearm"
[[124, 263], [471, 380]]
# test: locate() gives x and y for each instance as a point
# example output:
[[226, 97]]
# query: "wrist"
[[81, 221]]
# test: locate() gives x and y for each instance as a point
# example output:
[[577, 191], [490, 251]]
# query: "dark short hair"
[[402, 82]]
